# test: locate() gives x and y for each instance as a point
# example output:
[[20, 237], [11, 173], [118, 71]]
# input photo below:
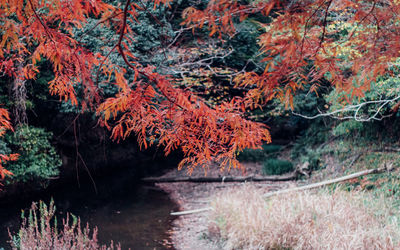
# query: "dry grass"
[[242, 219]]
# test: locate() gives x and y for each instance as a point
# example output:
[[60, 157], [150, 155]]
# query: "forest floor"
[[193, 231]]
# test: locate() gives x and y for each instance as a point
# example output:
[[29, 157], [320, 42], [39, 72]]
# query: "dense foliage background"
[[55, 138]]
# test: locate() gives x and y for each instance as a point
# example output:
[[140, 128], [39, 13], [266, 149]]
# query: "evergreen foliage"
[[277, 167], [258, 155], [38, 161]]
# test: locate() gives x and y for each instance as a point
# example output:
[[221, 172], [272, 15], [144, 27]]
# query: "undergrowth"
[[277, 167], [268, 157], [258, 155]]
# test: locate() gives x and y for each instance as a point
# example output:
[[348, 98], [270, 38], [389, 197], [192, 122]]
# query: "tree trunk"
[[19, 97]]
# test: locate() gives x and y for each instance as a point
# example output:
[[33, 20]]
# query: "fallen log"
[[290, 177], [311, 186], [332, 181]]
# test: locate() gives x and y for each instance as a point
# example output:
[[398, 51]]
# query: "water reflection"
[[134, 215]]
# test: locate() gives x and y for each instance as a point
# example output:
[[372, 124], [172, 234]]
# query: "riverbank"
[[200, 231], [194, 231]]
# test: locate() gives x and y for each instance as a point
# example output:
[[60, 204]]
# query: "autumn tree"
[[348, 43]]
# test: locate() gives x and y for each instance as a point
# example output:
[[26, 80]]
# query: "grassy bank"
[[362, 213], [326, 219]]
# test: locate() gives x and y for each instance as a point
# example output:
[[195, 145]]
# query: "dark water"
[[124, 211]]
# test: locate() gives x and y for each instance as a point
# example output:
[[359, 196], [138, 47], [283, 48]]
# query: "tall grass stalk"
[[40, 231]]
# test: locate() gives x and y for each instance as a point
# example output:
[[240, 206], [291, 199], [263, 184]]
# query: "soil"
[[194, 231]]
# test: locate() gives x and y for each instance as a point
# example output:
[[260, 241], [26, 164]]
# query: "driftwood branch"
[[192, 211], [311, 186], [222, 179], [328, 182]]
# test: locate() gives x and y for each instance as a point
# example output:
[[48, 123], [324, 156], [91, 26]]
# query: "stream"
[[125, 211]]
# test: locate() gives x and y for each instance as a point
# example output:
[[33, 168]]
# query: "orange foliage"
[[180, 119], [5, 125], [299, 36], [156, 111], [149, 106]]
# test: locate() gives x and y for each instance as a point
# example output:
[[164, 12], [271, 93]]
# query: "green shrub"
[[38, 160], [348, 128], [258, 155], [271, 149], [277, 167], [251, 155]]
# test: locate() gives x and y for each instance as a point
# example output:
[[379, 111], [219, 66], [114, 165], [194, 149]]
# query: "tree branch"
[[356, 109]]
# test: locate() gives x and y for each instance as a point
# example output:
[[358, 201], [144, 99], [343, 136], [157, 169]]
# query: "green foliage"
[[277, 167], [38, 160], [258, 155], [316, 134], [251, 155], [347, 127], [245, 44], [271, 150]]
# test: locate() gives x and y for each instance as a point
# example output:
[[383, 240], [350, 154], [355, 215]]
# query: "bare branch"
[[355, 109]]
